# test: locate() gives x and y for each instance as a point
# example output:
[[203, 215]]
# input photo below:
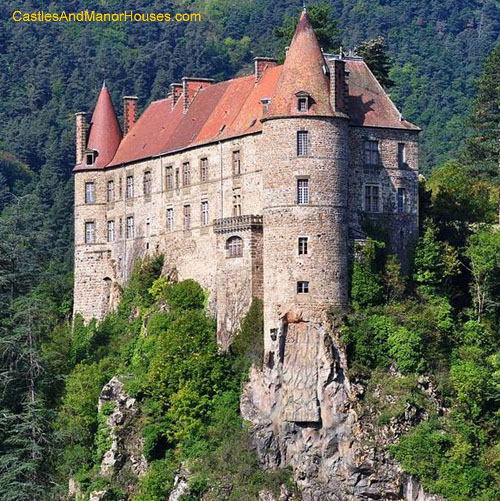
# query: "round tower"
[[305, 167]]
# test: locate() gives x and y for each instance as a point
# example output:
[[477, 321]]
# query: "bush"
[[185, 295], [405, 347]]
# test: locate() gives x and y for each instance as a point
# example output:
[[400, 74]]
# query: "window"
[[236, 203], [111, 231], [302, 191], [204, 170], [177, 178], [120, 186], [187, 217], [89, 158], [130, 227], [303, 250], [204, 213], [401, 155], [111, 191], [372, 198], [265, 104], [302, 143], [303, 103], [401, 199], [234, 247], [186, 174], [372, 155], [302, 287], [89, 193], [148, 184], [130, 186], [236, 163], [170, 219], [120, 228], [90, 232], [169, 177]]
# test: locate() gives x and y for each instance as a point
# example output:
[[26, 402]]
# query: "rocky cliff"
[[337, 455]]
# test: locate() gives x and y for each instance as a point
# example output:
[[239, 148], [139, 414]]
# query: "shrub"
[[185, 295], [405, 347]]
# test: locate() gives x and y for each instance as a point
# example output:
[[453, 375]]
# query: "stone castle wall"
[[266, 187]]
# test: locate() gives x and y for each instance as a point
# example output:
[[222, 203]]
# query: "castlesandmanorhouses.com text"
[[93, 16]]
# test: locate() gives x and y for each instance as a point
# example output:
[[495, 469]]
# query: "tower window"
[[186, 174], [303, 246], [130, 227], [303, 103], [130, 186], [302, 287], [169, 177], [302, 143], [236, 163], [372, 197], [148, 184], [111, 231], [302, 191], [111, 191], [401, 155], [234, 247], [170, 219], [204, 213], [204, 170], [187, 217], [401, 199], [89, 158], [236, 203], [89, 193], [372, 153], [89, 232]]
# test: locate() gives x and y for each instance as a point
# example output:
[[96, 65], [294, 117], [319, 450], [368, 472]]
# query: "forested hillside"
[[445, 77]]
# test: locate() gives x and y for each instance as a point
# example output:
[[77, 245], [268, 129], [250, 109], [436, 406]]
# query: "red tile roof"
[[105, 134], [304, 71], [234, 107]]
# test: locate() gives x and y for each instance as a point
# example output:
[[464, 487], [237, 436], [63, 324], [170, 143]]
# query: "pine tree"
[[374, 52]]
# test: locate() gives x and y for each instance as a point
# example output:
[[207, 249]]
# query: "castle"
[[255, 187]]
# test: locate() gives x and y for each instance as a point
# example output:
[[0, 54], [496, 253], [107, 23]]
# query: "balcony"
[[250, 222]]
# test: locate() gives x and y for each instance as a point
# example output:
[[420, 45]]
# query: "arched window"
[[234, 247]]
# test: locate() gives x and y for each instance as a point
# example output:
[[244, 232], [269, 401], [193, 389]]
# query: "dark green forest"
[[440, 61]]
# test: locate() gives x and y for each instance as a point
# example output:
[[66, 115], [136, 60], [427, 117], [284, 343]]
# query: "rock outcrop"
[[305, 414]]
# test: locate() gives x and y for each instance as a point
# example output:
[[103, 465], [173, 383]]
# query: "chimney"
[[339, 86], [81, 136], [190, 86], [176, 91], [129, 113], [262, 64]]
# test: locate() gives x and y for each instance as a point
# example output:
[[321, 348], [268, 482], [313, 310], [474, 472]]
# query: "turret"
[[305, 228]]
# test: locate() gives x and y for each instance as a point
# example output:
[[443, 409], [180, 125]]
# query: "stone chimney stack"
[[339, 85], [190, 86], [81, 135], [262, 64], [176, 91], [129, 113]]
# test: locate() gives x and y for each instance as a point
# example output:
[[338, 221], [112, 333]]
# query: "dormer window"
[[265, 104], [303, 101], [302, 104], [89, 158]]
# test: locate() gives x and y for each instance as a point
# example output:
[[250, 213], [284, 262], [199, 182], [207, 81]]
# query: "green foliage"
[[435, 261], [366, 282], [186, 295], [405, 347], [374, 53]]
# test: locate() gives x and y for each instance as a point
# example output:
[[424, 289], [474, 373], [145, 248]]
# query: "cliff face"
[[337, 456]]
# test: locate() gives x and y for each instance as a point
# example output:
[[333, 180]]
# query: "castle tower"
[[305, 228], [94, 273]]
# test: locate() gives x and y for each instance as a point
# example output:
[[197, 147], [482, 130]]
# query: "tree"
[[325, 27], [374, 53]]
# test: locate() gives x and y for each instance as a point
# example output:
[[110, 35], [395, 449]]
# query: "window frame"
[[372, 157], [303, 197], [88, 225], [234, 247], [204, 213], [186, 213], [110, 231], [169, 177], [236, 162], [130, 228], [369, 197], [302, 103], [303, 143], [203, 170], [90, 195], [110, 191], [303, 287], [303, 246], [170, 219], [186, 174], [147, 184], [129, 187], [401, 200], [401, 155]]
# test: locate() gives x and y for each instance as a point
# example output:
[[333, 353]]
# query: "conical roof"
[[105, 133], [304, 71]]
